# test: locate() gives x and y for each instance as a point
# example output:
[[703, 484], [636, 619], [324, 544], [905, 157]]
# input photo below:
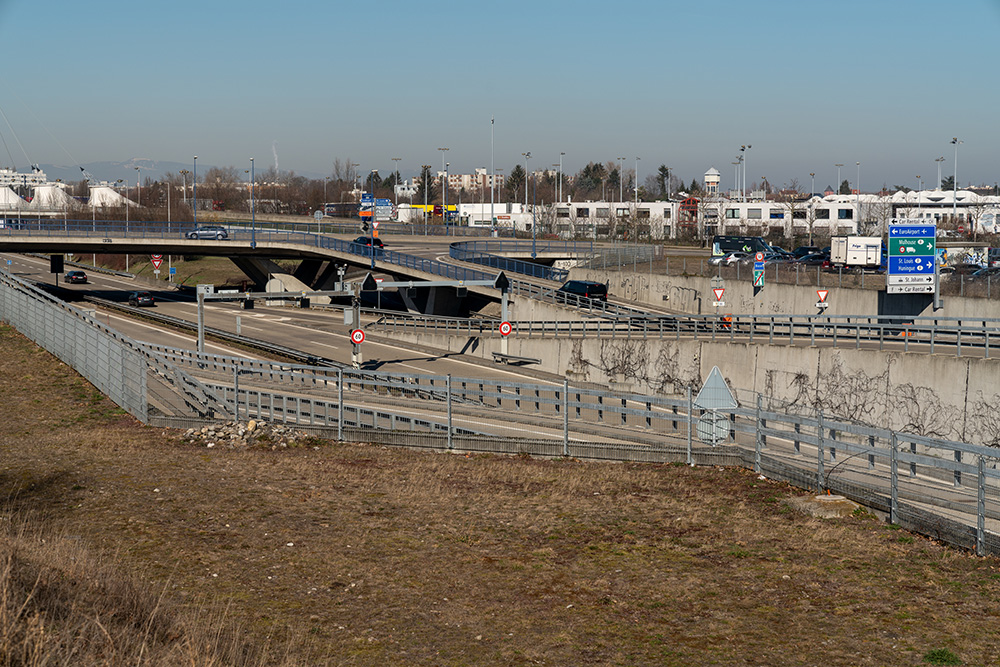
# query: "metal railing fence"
[[949, 490], [958, 336]]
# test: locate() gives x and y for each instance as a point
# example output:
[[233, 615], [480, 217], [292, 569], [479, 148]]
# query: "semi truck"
[[857, 252]]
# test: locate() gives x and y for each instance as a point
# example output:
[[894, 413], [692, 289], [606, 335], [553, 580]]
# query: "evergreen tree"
[[845, 187], [425, 184]]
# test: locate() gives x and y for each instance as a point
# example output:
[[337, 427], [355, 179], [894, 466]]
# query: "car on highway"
[[813, 259], [369, 242], [75, 277], [960, 269], [209, 232], [141, 298], [587, 289], [729, 258]]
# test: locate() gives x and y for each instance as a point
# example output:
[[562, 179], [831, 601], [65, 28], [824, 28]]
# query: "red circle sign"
[[505, 328], [358, 336], [157, 256]]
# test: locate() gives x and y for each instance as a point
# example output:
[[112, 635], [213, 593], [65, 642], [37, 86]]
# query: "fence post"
[[893, 480], [819, 454], [981, 509], [757, 442], [236, 392], [958, 473], [689, 411], [340, 405], [565, 397], [448, 390]]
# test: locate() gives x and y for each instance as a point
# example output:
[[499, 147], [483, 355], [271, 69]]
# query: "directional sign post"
[[912, 256], [357, 337], [758, 270]]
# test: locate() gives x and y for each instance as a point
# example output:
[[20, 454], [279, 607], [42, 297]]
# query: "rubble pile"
[[242, 435]]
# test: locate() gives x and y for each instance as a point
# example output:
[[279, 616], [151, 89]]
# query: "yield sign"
[[718, 292], [157, 261], [822, 294]]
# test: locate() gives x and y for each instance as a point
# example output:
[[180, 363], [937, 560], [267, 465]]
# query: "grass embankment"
[[128, 545]]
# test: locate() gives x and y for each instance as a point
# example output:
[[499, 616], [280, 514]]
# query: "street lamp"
[[138, 186], [939, 160], [560, 176], [371, 226], [194, 190], [838, 166], [743, 150], [395, 182], [954, 182], [184, 186], [527, 156], [812, 184], [637, 181], [621, 181], [253, 208], [425, 176], [859, 192], [920, 187], [444, 213]]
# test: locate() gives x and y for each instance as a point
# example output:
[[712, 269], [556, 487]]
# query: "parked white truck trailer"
[[861, 252]]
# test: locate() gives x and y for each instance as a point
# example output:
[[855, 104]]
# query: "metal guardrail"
[[948, 335], [490, 253], [947, 489]]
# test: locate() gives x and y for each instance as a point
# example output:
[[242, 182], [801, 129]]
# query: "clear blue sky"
[[807, 84]]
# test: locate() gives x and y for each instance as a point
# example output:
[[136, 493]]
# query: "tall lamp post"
[[954, 183], [621, 181], [920, 188], [425, 174], [371, 227], [194, 190], [637, 182], [838, 166], [812, 184], [527, 156], [493, 178], [444, 213], [743, 152], [253, 208], [859, 192], [560, 176], [395, 182], [184, 185], [939, 160], [138, 186], [534, 224]]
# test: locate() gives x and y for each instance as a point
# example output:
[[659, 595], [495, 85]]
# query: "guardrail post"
[[981, 509], [819, 454], [565, 408], [893, 480], [795, 443], [340, 405], [871, 457], [757, 442], [236, 392], [690, 410], [448, 391], [958, 473]]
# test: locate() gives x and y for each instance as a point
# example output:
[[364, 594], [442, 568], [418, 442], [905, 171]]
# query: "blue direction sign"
[[367, 198], [911, 249], [911, 265]]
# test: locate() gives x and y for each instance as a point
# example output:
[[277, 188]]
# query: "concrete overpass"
[[255, 252]]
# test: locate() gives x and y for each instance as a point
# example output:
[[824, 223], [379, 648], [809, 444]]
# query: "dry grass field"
[[123, 544]]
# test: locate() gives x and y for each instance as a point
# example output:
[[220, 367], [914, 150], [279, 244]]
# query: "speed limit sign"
[[505, 328], [358, 336]]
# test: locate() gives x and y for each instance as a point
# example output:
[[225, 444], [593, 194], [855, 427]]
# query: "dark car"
[[375, 243], [368, 240], [804, 250], [140, 298], [582, 288], [75, 277], [813, 259], [960, 269], [209, 232]]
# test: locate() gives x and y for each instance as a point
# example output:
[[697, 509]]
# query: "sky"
[[300, 84]]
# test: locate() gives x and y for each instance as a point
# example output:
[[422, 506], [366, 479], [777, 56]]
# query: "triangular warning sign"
[[716, 394], [718, 292], [822, 294]]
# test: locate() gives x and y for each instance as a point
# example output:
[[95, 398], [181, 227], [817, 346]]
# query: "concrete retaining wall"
[[939, 395], [693, 294]]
